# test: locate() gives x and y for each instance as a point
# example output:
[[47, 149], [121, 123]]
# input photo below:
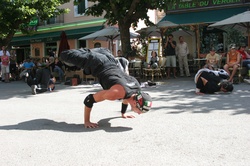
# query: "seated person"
[[58, 68], [55, 67], [212, 59], [153, 63], [233, 61], [42, 82], [210, 81], [27, 67], [245, 57]]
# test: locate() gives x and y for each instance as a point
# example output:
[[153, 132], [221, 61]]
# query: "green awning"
[[206, 16], [53, 36]]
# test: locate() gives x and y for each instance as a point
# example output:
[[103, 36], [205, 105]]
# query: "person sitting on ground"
[[209, 81], [117, 85], [212, 59], [42, 82], [154, 60], [27, 67], [233, 61]]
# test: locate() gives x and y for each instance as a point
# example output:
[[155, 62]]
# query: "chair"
[[135, 68], [152, 73]]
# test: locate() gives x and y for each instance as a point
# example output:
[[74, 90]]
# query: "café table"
[[200, 62]]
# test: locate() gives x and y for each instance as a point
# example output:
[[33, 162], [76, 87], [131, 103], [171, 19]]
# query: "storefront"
[[47, 39], [198, 15]]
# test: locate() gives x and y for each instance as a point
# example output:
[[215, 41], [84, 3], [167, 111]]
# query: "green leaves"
[[15, 15]]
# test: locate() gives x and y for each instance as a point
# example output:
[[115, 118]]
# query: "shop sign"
[[191, 4], [35, 40], [33, 21], [48, 39]]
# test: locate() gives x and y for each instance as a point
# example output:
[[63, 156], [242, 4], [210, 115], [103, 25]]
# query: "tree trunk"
[[125, 39], [6, 41]]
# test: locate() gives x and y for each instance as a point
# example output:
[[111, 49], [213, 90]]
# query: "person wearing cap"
[[233, 61], [210, 81], [212, 59], [116, 84]]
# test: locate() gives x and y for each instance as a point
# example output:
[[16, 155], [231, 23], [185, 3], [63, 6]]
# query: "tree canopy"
[[15, 15], [126, 13]]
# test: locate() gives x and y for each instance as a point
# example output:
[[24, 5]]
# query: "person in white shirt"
[[7, 52], [182, 52], [1, 54]]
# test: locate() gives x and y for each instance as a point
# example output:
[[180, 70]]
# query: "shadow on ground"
[[46, 124]]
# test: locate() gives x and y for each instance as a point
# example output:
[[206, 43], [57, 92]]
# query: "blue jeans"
[[59, 71], [246, 63]]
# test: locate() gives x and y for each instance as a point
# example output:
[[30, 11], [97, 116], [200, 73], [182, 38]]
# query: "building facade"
[[47, 37], [200, 14]]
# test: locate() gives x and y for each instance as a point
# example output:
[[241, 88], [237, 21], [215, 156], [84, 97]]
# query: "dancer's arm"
[[114, 93]]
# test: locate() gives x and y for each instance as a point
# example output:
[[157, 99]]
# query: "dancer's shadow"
[[46, 124]]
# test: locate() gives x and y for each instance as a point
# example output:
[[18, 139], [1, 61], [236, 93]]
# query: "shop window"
[[82, 44], [22, 52], [79, 9], [37, 51], [50, 49]]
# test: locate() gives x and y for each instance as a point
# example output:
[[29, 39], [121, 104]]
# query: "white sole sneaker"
[[247, 81]]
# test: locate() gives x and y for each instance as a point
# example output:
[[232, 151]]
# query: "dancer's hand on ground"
[[199, 93], [127, 116], [90, 125]]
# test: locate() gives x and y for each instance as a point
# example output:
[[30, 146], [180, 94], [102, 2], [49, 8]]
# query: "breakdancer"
[[117, 85], [210, 81], [42, 82]]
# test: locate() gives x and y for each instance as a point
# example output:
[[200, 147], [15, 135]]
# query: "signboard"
[[192, 4], [33, 21], [153, 45]]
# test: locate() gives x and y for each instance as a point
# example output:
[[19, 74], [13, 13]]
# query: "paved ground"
[[183, 129]]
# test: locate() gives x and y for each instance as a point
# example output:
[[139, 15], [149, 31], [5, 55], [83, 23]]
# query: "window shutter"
[[81, 7]]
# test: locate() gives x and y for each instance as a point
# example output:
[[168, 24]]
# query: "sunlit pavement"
[[182, 128]]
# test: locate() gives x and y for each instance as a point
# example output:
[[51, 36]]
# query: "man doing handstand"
[[117, 85]]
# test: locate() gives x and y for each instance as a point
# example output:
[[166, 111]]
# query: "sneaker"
[[33, 89], [247, 81], [151, 83]]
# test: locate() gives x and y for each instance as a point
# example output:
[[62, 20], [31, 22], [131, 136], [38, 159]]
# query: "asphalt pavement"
[[182, 129]]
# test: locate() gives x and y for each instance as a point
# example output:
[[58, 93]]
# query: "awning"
[[53, 35], [202, 17]]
